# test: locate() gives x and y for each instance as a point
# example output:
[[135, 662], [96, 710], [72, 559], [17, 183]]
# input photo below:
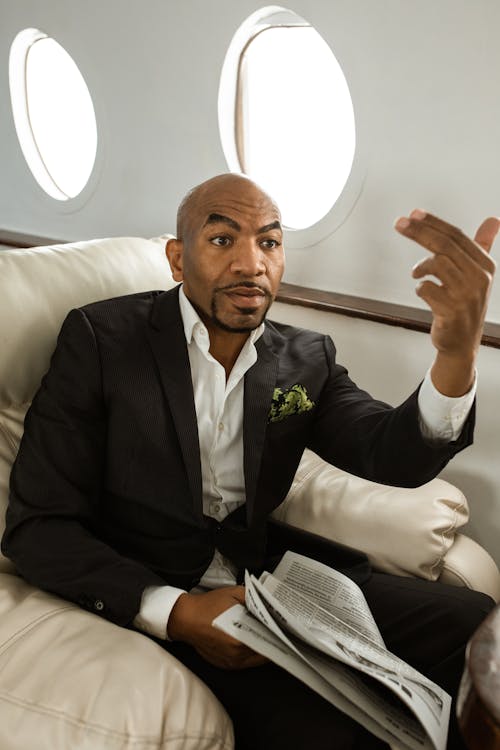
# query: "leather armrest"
[[403, 531], [467, 564], [69, 679]]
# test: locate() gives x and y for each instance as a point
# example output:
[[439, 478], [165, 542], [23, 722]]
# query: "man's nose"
[[248, 259]]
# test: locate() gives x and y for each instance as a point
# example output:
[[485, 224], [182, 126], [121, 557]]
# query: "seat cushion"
[[39, 286], [69, 679]]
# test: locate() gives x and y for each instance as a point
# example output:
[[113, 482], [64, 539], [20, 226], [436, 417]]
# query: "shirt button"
[[221, 426], [215, 507], [99, 605]]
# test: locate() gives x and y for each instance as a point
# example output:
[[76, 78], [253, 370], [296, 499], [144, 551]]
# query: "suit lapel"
[[168, 343], [260, 381]]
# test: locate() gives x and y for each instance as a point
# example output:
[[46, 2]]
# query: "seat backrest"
[[38, 287]]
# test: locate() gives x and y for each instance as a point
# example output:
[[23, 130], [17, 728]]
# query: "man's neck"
[[225, 346]]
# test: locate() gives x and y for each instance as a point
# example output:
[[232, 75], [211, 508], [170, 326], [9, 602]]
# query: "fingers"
[[232, 657], [441, 266], [191, 621], [226, 652], [485, 235], [464, 270], [442, 238], [192, 615], [436, 297], [238, 593]]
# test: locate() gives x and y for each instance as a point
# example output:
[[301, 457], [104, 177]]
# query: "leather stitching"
[[27, 628], [112, 733], [88, 726]]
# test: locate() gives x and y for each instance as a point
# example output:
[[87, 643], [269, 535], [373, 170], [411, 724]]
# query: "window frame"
[[231, 121], [20, 48]]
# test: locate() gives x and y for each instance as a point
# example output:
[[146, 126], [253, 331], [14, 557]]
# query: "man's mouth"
[[246, 297]]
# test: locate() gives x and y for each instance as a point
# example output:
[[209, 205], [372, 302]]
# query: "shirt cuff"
[[156, 605], [443, 417]]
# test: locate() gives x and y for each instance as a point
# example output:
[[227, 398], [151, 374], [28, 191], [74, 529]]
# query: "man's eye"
[[269, 244], [220, 241]]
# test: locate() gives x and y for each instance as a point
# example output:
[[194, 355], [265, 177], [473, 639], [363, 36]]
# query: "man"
[[161, 440]]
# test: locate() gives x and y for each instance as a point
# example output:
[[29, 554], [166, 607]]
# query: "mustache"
[[247, 284]]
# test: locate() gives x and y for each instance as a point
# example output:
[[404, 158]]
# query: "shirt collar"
[[191, 319]]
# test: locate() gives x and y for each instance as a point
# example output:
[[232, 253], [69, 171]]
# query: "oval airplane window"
[[53, 114], [292, 120]]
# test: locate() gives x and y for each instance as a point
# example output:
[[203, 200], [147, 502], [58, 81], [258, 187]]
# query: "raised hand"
[[191, 621], [459, 301]]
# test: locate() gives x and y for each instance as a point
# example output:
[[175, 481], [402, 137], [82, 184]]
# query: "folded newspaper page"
[[315, 623]]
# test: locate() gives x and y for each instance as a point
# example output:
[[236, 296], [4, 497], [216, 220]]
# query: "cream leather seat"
[[71, 680]]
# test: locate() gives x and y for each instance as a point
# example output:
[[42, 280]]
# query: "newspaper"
[[315, 623]]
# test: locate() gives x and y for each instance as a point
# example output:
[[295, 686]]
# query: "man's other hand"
[[191, 622], [464, 271]]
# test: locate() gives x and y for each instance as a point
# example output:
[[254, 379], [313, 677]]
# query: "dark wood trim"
[[18, 239], [371, 309], [342, 304]]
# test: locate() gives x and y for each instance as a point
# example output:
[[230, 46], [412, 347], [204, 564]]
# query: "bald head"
[[228, 254], [194, 207]]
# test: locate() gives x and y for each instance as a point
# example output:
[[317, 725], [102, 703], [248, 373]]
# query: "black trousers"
[[426, 624]]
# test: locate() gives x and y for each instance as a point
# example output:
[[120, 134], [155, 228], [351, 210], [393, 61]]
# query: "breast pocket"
[[291, 426]]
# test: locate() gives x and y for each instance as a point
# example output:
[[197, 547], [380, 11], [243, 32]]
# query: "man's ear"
[[174, 250]]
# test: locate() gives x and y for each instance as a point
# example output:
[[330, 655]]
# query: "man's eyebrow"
[[274, 225], [220, 219]]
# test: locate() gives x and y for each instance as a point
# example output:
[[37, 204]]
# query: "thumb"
[[487, 232], [238, 593]]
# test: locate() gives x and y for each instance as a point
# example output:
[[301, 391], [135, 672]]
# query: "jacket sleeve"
[[52, 518], [371, 439]]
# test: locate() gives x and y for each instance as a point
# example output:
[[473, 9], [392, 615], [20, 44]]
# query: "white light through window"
[[294, 122], [53, 114]]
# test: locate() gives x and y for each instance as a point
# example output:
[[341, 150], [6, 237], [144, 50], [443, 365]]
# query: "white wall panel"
[[424, 86]]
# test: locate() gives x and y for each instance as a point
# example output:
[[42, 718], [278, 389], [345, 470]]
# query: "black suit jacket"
[[106, 492]]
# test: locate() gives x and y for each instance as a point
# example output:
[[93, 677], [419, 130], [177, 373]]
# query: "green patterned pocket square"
[[293, 400]]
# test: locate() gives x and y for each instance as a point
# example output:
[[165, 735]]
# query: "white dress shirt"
[[219, 412]]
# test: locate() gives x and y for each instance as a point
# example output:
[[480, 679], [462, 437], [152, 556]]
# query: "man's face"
[[231, 260]]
